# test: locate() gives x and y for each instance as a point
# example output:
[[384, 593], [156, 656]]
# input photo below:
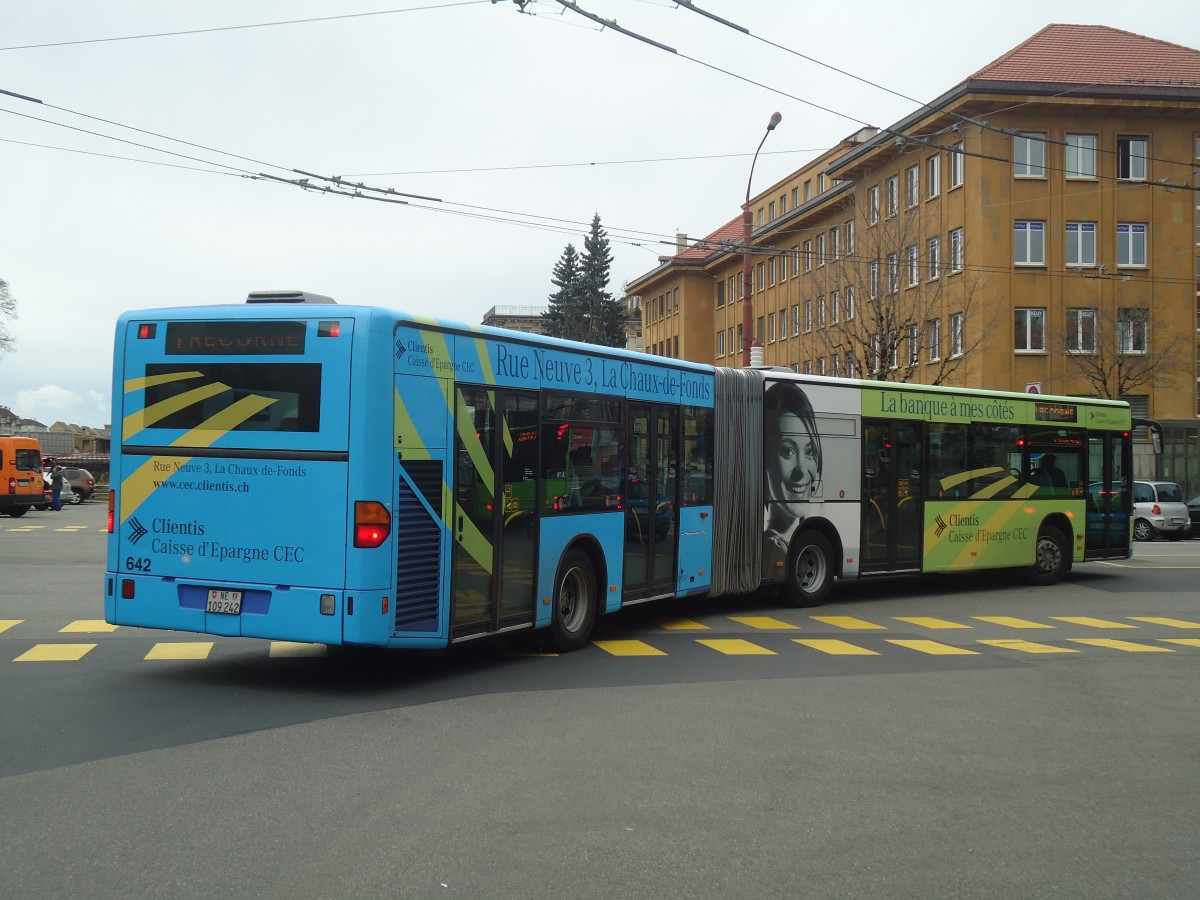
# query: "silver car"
[[1158, 509]]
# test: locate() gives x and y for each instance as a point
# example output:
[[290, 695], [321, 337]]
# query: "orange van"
[[20, 474]]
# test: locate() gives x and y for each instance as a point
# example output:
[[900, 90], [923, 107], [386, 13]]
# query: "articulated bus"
[[294, 469]]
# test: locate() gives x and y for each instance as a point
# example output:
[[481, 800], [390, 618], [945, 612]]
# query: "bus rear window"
[[201, 391]]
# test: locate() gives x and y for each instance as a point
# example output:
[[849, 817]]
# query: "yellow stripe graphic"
[[473, 445], [137, 384], [144, 418], [140, 485], [407, 433]]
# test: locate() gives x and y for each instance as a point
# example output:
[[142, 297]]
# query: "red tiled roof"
[[1094, 54], [730, 232]]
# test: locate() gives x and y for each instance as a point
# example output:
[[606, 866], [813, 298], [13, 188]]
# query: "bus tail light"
[[372, 523], [112, 506]]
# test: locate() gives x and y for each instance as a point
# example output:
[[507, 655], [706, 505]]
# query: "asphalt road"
[[933, 737]]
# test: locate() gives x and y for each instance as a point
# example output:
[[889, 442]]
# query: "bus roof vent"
[[287, 297]]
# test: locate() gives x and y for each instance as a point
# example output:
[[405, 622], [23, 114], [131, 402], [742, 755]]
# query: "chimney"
[[681, 243]]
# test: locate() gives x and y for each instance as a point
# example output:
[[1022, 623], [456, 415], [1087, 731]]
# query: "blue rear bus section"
[[250, 433], [220, 484]]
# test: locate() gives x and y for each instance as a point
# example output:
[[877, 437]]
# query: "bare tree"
[[895, 301], [8, 310], [1116, 346]]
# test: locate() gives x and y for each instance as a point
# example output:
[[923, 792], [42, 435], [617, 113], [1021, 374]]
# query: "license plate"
[[229, 602]]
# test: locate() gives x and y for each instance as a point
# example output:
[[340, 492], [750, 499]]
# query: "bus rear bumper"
[[266, 611]]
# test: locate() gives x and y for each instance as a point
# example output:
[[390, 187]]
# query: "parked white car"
[[1158, 509]]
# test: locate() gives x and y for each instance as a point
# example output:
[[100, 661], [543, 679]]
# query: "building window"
[[771, 328], [873, 279], [933, 177], [849, 229], [933, 339], [676, 309], [1029, 243], [821, 311], [808, 256], [720, 343], [1081, 243], [760, 280], [1131, 244], [872, 204], [1030, 329], [760, 217], [912, 186], [849, 303], [956, 334], [720, 294], [1029, 155], [835, 243], [893, 272], [914, 266], [956, 165], [729, 341], [914, 344], [1132, 329], [821, 183], [795, 197], [893, 199], [1081, 156], [820, 249], [808, 367], [771, 211], [835, 306], [807, 190], [933, 252], [1131, 158], [820, 365], [876, 352], [795, 255], [761, 333], [1081, 331], [795, 318], [956, 250], [835, 368], [771, 271], [808, 317]]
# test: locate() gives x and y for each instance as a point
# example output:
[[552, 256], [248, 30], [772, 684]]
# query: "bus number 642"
[[141, 564]]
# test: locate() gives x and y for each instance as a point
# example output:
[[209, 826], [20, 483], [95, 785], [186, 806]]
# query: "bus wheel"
[[574, 602], [1051, 559], [809, 570]]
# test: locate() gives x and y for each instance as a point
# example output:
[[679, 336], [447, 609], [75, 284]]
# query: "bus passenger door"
[[892, 510], [650, 494], [1107, 498], [494, 510]]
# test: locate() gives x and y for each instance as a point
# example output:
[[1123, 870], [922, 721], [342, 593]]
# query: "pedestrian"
[[57, 479]]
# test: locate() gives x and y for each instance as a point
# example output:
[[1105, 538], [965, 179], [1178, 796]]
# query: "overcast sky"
[[540, 118]]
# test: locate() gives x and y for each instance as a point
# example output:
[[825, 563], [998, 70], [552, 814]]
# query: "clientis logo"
[[941, 525], [137, 530]]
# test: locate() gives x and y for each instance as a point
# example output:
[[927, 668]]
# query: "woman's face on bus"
[[796, 466]]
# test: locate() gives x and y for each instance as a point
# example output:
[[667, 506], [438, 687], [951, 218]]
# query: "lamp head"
[[776, 118]]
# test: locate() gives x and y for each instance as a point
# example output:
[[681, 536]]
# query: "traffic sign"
[[1034, 387]]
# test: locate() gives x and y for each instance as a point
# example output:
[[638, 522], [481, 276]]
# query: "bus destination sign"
[[235, 338], [1055, 412]]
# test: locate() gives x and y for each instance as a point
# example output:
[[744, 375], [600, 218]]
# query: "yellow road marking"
[[88, 626], [765, 622], [849, 623], [56, 653], [27, 528], [1187, 642], [1092, 623], [6, 624], [1027, 646], [682, 625], [294, 648], [180, 650], [930, 622], [1127, 646], [736, 647], [72, 528], [1011, 622], [835, 647], [628, 648], [1172, 623], [934, 648]]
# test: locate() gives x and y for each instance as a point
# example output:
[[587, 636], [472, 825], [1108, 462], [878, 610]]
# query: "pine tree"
[[561, 319], [582, 309]]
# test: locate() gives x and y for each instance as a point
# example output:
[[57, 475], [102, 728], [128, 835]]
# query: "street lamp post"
[[747, 257]]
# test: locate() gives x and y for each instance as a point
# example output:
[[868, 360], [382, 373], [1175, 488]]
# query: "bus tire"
[[810, 570], [1052, 557], [574, 606]]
